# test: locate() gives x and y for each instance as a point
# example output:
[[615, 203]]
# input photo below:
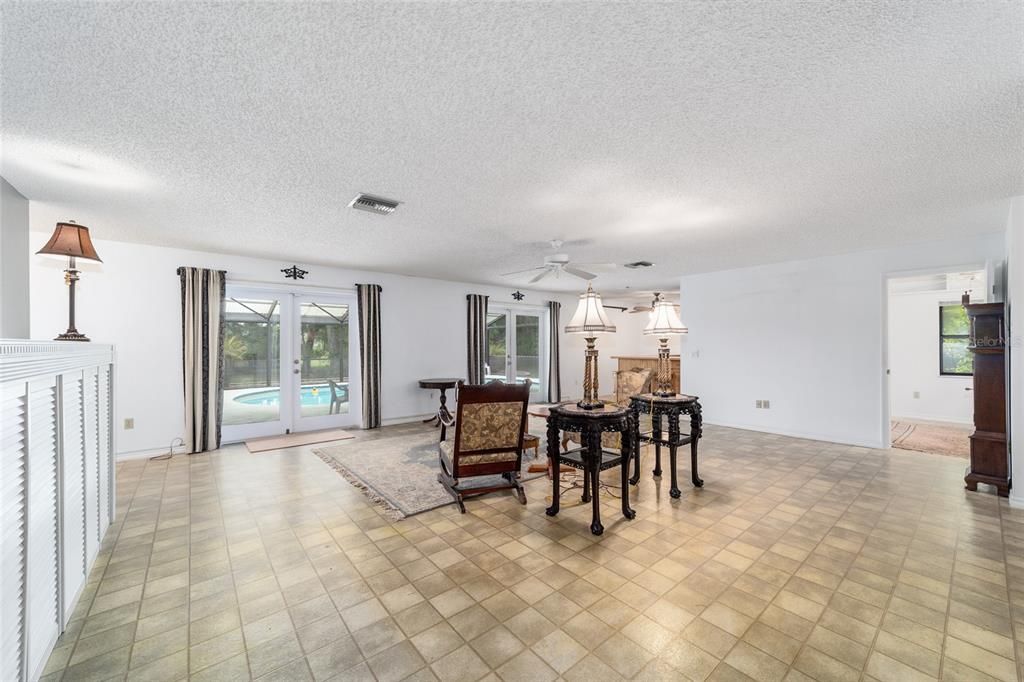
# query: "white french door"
[[517, 347], [291, 362]]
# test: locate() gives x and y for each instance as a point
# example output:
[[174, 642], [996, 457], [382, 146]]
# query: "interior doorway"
[[930, 370]]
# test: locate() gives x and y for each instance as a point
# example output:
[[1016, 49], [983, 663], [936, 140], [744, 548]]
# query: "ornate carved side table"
[[673, 407], [590, 457]]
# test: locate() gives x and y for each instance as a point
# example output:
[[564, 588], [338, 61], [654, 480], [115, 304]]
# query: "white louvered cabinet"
[[56, 483]]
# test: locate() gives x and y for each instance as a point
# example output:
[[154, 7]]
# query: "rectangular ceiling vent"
[[379, 205], [639, 264]]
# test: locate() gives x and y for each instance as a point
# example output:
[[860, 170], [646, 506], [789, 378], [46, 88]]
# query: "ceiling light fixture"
[[638, 264], [374, 204]]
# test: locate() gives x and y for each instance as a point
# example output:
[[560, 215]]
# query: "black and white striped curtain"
[[202, 336], [476, 338], [554, 362], [369, 352]]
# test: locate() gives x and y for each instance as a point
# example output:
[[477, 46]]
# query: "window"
[[954, 358]]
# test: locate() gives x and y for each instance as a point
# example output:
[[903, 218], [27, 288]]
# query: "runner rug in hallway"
[[939, 439]]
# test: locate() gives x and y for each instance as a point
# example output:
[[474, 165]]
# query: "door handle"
[[968, 389]]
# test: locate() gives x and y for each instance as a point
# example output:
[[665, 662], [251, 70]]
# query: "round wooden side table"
[[440, 384]]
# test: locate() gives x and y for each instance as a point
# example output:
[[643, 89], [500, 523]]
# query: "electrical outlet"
[[129, 423], [917, 394]]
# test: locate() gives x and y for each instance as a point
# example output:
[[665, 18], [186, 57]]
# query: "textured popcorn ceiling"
[[699, 136]]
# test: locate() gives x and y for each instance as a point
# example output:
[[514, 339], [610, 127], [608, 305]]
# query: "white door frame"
[[289, 418], [886, 425], [354, 415], [510, 310]]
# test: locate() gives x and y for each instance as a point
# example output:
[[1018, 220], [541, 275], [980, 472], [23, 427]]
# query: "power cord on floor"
[[177, 442]]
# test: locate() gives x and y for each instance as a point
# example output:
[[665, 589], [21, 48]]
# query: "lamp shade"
[[665, 320], [70, 239], [590, 316]]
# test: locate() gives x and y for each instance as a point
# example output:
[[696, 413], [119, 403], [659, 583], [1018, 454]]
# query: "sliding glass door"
[[289, 361], [517, 343]]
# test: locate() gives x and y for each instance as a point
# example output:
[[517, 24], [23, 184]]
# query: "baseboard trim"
[[1016, 501], [141, 454], [823, 437], [395, 421], [926, 418]]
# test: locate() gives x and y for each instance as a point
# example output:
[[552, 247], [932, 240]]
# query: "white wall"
[[132, 300], [914, 362], [14, 255], [1015, 295], [806, 335]]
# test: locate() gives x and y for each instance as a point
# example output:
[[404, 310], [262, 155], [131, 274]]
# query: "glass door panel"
[[324, 387], [324, 359], [498, 362], [527, 357], [252, 365], [516, 348]]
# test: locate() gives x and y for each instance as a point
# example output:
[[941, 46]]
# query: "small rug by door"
[[939, 439], [291, 440], [397, 468]]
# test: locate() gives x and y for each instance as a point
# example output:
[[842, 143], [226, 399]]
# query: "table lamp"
[[71, 240], [590, 319], [664, 323]]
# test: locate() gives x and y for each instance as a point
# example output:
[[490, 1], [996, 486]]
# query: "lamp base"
[[72, 335], [590, 405]]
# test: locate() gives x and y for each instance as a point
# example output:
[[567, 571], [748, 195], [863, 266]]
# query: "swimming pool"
[[311, 395]]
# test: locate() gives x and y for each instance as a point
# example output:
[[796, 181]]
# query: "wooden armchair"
[[489, 424]]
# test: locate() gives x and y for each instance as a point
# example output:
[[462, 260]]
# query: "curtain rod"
[[293, 285]]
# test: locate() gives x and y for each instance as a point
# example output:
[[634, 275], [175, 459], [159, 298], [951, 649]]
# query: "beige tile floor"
[[799, 560]]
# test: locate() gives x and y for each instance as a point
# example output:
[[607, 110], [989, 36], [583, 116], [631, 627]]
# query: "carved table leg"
[[594, 452], [673, 439], [636, 450], [629, 444], [656, 434], [586, 484], [555, 466], [695, 435]]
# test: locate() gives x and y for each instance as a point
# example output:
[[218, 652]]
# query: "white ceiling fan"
[[648, 308], [559, 263]]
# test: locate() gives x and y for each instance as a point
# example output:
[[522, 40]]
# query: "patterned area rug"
[[939, 439], [397, 467]]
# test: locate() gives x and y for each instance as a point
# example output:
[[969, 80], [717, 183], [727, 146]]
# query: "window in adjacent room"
[[954, 358]]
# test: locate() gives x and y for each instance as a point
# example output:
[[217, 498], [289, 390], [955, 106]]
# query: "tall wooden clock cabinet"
[[989, 454]]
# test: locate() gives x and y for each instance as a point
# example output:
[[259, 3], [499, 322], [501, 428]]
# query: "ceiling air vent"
[[380, 205], [639, 264]]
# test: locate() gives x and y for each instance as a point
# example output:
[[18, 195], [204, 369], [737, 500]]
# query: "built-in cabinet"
[[56, 489]]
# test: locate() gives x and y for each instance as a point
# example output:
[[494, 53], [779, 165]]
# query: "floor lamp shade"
[[590, 319], [72, 241], [664, 323]]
